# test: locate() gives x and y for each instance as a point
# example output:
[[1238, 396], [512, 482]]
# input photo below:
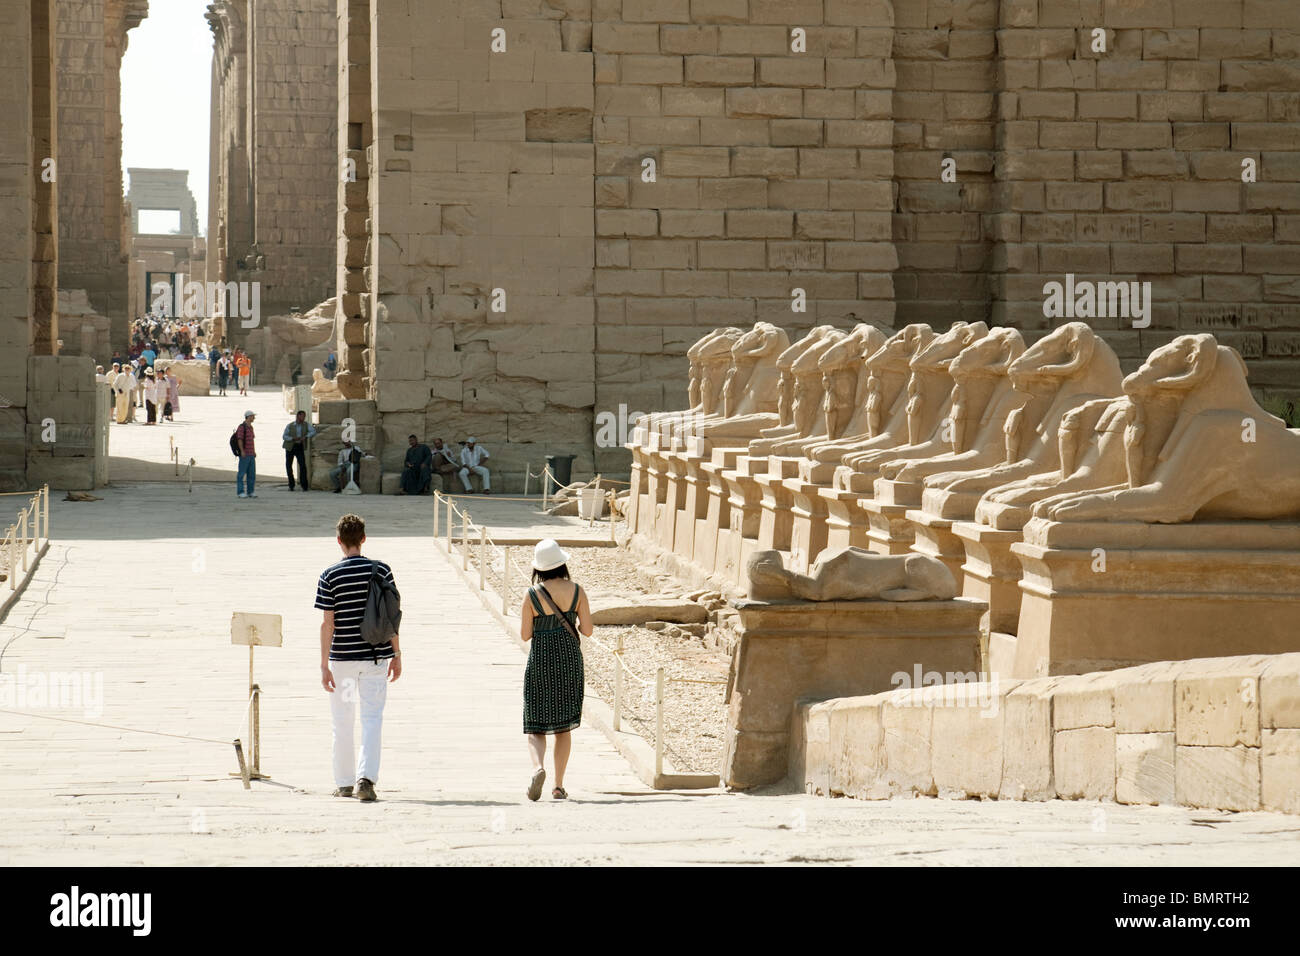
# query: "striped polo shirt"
[[343, 589]]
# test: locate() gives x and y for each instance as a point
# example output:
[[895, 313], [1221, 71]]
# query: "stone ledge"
[[1230, 740]]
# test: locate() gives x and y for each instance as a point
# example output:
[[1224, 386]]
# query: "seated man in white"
[[349, 466], [471, 455]]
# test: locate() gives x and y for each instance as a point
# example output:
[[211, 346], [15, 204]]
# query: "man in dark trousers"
[[417, 473], [295, 437]]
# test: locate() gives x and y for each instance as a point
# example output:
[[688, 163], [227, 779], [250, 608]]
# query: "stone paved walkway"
[[139, 588]]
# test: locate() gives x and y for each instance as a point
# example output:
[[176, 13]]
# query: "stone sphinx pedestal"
[[846, 522], [991, 573], [934, 536], [809, 530], [891, 532], [789, 651], [739, 538], [1165, 592], [777, 519]]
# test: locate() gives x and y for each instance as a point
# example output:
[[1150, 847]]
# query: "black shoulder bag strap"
[[573, 631]]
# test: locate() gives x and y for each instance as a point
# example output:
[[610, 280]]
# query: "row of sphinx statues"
[[982, 427]]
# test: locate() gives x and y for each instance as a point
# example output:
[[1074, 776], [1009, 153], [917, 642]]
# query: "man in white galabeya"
[[352, 669], [471, 457]]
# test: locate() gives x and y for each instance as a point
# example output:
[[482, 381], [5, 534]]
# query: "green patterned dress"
[[553, 679]]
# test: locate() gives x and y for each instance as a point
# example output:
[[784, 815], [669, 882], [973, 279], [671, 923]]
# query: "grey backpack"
[[383, 614]]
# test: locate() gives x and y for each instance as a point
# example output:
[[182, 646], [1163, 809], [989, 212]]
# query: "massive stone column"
[[90, 39], [481, 244], [45, 206], [17, 245], [356, 137], [274, 106]]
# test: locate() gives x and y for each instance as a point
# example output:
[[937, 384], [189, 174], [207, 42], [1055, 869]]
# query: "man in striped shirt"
[[353, 670]]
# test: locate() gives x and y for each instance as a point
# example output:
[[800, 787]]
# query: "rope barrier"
[[130, 730]]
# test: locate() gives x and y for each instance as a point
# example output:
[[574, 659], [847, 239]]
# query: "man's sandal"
[[559, 793]]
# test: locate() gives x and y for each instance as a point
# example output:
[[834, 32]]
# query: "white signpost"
[[254, 630]]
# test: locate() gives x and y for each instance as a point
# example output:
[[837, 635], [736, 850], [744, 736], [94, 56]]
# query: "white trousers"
[[364, 682], [479, 470]]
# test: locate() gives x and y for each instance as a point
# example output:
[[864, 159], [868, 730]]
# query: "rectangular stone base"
[[956, 505], [818, 472], [991, 573], [891, 532], [934, 537], [1102, 595], [775, 520], [846, 523], [803, 649], [808, 528], [891, 492]]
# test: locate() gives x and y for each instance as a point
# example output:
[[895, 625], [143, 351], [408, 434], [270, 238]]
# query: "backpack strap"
[[564, 618]]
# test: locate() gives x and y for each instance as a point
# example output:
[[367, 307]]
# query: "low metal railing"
[[23, 543]]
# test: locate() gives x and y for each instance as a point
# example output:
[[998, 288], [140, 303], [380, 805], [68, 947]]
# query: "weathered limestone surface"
[[1069, 737], [697, 170], [274, 170], [194, 375], [67, 423], [91, 36], [799, 649]]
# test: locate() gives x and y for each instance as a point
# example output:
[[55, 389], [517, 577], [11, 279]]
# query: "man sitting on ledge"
[[470, 457], [417, 471], [349, 466]]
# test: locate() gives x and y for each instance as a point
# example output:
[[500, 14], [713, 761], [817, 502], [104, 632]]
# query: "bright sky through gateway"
[[166, 78]]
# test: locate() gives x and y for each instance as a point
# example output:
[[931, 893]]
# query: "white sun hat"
[[548, 555]]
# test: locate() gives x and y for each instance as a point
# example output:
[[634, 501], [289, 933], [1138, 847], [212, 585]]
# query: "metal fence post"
[[482, 558], [618, 684], [505, 581], [659, 721]]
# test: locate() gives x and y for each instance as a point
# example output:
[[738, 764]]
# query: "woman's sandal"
[[559, 793], [535, 784]]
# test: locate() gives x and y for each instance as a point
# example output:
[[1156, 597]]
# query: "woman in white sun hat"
[[553, 614]]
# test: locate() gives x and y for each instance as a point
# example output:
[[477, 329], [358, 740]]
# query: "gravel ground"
[[694, 714]]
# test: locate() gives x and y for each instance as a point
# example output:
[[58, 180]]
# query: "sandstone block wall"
[[822, 170], [1128, 164], [162, 189], [90, 41], [773, 172], [1222, 733], [67, 413], [478, 183], [275, 120]]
